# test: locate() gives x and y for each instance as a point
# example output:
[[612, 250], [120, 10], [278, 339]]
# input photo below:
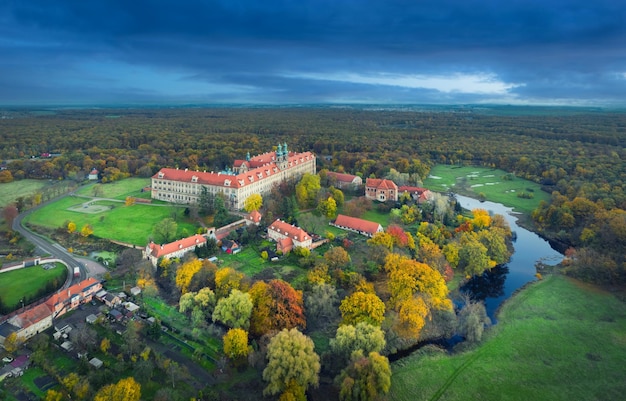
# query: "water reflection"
[[490, 284]]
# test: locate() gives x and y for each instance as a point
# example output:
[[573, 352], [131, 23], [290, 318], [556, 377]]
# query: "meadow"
[[472, 181], [9, 192], [30, 279], [117, 189], [130, 224], [556, 340]]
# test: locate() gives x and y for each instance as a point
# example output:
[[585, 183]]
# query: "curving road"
[[46, 246]]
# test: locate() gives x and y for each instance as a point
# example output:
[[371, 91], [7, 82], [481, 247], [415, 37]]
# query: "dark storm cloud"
[[312, 51]]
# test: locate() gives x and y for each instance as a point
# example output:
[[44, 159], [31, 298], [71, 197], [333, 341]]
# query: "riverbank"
[[557, 339]]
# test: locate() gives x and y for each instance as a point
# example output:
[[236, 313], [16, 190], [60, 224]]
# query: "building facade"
[[176, 249], [254, 175], [288, 237], [381, 190]]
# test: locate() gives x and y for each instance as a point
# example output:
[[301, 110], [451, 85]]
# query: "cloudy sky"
[[313, 51]]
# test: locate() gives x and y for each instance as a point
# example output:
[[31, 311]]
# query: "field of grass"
[[377, 217], [117, 189], [555, 340], [131, 224], [23, 283], [248, 261], [472, 181], [9, 192]]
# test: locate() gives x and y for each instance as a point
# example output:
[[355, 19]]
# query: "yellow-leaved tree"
[[124, 390], [362, 307], [236, 343], [185, 273], [253, 202]]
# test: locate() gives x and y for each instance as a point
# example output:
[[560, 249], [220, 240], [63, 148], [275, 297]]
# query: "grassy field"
[[132, 224], [377, 217], [117, 189], [23, 283], [248, 261], [556, 340], [472, 181], [9, 192]]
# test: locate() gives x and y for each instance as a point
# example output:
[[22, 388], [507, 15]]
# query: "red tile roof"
[[262, 166], [380, 183], [163, 250], [255, 216], [357, 224], [342, 177], [406, 188], [34, 315], [290, 231], [63, 296]]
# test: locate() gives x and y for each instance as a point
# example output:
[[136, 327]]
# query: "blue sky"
[[568, 52]]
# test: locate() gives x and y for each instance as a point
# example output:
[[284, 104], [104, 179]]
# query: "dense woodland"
[[577, 155]]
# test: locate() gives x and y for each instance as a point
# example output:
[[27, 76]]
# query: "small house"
[[230, 247], [96, 363], [93, 175], [91, 319]]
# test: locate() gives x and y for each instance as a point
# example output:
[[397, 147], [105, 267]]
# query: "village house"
[[418, 194], [254, 218], [93, 175], [176, 249], [288, 237], [381, 190], [254, 175], [342, 180], [38, 318], [363, 227]]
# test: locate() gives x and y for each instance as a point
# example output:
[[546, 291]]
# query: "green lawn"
[[132, 224], [9, 192], [555, 340], [116, 189], [377, 217], [24, 283], [248, 261], [472, 181]]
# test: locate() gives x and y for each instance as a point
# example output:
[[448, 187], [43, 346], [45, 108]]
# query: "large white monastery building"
[[254, 175]]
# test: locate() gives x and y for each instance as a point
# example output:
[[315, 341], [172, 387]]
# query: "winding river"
[[501, 282]]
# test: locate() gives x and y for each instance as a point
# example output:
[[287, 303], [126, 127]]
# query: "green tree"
[[321, 304], [291, 358], [363, 338], [165, 231], [235, 310], [473, 258], [328, 208]]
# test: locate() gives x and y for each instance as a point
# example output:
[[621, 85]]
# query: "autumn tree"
[[185, 273], [362, 307], [383, 239], [291, 361], [226, 280], [473, 257], [337, 195], [9, 213], [105, 345], [236, 344], [53, 395], [367, 378], [328, 208], [235, 310], [124, 390], [411, 318], [307, 189], [130, 200], [12, 343], [71, 227], [472, 320], [260, 319], [86, 231], [337, 258], [253, 202]]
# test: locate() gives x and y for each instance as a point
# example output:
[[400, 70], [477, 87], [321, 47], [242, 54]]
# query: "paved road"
[[45, 246]]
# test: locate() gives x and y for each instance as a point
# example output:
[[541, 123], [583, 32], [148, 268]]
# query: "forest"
[[577, 155]]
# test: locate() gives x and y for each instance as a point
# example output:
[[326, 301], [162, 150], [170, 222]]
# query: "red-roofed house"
[[288, 237], [254, 218], [381, 190], [32, 321], [341, 180], [420, 195], [363, 227], [93, 174], [69, 299], [176, 249], [255, 175]]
